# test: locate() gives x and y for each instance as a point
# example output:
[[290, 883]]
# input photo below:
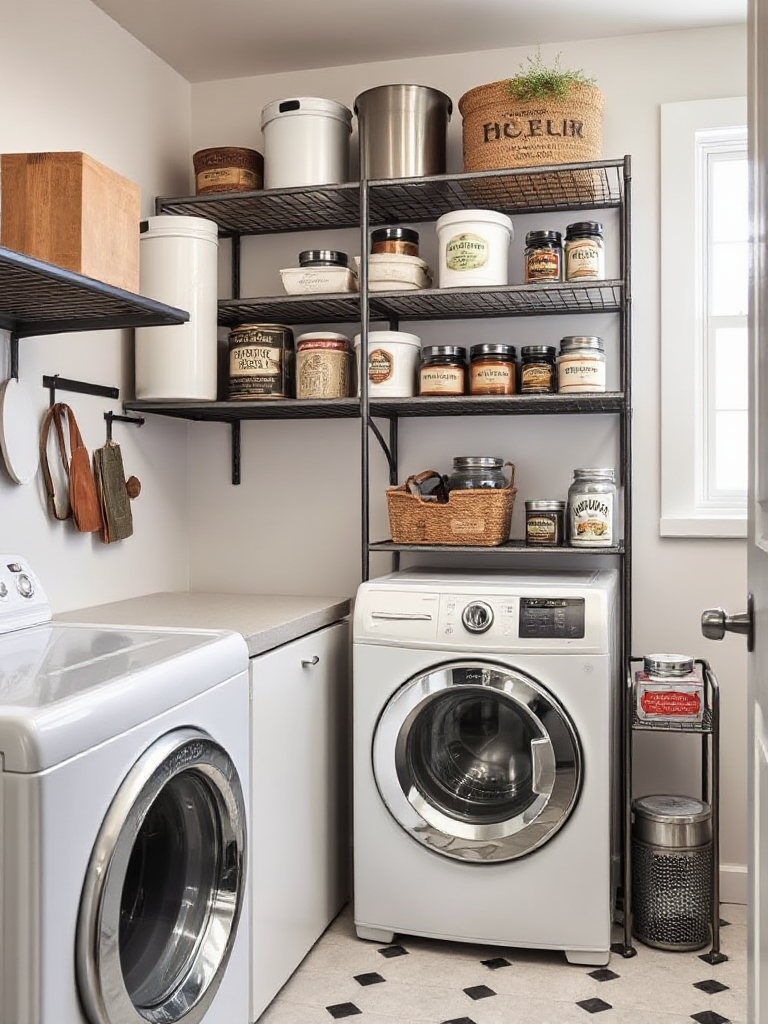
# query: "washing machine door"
[[165, 886], [477, 761]]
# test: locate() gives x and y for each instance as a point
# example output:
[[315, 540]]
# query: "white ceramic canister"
[[393, 362], [306, 142], [178, 265], [474, 248]]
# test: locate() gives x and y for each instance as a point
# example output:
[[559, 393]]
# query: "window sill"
[[717, 528]]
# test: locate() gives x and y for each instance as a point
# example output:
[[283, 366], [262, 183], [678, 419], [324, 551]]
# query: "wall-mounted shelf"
[[513, 546], [39, 298]]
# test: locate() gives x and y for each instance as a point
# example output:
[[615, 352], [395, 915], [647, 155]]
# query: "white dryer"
[[485, 758], [123, 796]]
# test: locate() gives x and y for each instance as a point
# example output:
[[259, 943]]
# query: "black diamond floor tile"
[[479, 992], [619, 948], [369, 979], [339, 1010], [709, 1017], [496, 963], [710, 986], [594, 1005], [390, 951], [459, 1020], [724, 924], [603, 974]]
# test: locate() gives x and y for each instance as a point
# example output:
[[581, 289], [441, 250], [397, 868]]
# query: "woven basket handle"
[[512, 471], [414, 482]]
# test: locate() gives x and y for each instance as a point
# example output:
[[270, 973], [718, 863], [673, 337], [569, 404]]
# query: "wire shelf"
[[511, 547]]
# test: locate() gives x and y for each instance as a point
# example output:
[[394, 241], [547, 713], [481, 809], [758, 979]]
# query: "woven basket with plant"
[[542, 115]]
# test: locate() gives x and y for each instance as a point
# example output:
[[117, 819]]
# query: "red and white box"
[[669, 698]]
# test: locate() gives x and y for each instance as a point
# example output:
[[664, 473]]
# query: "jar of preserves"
[[399, 241], [592, 509], [537, 369], [492, 369], [545, 523], [323, 363], [584, 251], [581, 364], [474, 472], [543, 257], [443, 370]]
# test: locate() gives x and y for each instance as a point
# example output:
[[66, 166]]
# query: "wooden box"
[[68, 209]]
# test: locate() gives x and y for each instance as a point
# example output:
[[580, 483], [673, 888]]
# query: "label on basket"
[[468, 526], [681, 700], [466, 252]]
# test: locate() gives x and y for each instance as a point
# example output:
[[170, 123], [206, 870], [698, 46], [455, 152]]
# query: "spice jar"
[[537, 369], [584, 251], [401, 241], [323, 258], [492, 369], [322, 365], [543, 257], [592, 508], [545, 523], [443, 370], [475, 472], [581, 364]]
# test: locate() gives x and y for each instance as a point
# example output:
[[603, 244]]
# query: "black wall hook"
[[110, 417], [57, 383]]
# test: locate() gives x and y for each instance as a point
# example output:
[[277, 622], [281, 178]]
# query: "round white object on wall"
[[18, 431]]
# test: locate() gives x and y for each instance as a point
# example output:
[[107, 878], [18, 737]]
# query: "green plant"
[[537, 81]]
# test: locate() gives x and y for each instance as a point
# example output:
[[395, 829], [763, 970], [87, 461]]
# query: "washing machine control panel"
[[552, 617], [22, 598]]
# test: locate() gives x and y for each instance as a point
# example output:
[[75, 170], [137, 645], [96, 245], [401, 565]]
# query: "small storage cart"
[[676, 866]]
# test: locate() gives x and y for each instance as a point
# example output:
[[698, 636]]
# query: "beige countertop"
[[265, 620]]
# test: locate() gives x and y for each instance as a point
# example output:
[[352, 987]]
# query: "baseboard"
[[733, 883]]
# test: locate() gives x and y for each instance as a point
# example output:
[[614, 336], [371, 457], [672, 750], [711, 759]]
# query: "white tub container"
[[393, 363], [306, 142], [474, 248], [178, 265]]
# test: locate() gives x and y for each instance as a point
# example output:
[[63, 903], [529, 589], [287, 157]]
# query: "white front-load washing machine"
[[123, 831], [485, 758]]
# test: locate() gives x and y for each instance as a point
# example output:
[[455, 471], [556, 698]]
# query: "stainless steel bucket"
[[402, 131]]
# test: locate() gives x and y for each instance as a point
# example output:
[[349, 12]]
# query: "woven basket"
[[499, 131], [470, 517]]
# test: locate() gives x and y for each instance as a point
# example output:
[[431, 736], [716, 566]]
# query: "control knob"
[[477, 617]]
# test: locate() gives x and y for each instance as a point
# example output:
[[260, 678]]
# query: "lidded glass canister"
[[581, 364], [473, 472], [584, 251], [492, 369], [592, 509], [543, 257]]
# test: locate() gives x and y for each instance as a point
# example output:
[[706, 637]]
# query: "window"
[[704, 289]]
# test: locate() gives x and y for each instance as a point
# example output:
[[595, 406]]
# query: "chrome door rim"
[[99, 970], [557, 786]]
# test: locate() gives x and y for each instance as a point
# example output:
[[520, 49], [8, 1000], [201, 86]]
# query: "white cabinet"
[[299, 835]]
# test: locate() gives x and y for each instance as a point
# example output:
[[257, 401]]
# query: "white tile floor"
[[450, 983]]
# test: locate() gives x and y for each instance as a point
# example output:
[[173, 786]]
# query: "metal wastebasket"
[[672, 871]]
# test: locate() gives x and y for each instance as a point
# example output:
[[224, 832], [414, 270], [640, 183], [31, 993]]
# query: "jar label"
[[542, 265], [466, 252], [583, 259], [580, 373], [536, 377], [441, 380], [671, 703], [591, 518], [541, 529], [221, 178], [381, 365], [322, 373], [492, 379]]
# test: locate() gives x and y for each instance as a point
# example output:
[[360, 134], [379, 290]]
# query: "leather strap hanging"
[[83, 497]]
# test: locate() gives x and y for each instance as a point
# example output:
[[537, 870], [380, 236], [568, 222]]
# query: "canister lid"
[[602, 473], [171, 226], [478, 462], [505, 351], [325, 257], [538, 350], [390, 338], [445, 351], [582, 228], [572, 341], [668, 664], [468, 216], [671, 810], [545, 505], [395, 235], [299, 105], [323, 338], [543, 237]]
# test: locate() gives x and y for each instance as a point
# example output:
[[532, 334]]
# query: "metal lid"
[[672, 810], [493, 350], [572, 341], [544, 505], [447, 351], [323, 336], [603, 473], [395, 235], [301, 105], [668, 664], [538, 350], [478, 462], [326, 257], [583, 227], [541, 237]]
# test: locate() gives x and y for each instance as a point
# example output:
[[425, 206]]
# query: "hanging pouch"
[[113, 493], [83, 497]]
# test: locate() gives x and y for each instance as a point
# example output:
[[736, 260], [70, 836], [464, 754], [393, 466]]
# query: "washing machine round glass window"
[[165, 886], [478, 762]]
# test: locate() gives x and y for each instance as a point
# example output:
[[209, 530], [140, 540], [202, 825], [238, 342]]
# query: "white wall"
[[74, 80], [293, 524]]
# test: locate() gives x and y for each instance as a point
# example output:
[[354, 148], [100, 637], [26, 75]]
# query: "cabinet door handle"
[[309, 662]]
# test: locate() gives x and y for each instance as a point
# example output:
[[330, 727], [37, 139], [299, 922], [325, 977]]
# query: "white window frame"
[[681, 327]]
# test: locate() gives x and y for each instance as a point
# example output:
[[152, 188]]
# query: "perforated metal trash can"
[[672, 871]]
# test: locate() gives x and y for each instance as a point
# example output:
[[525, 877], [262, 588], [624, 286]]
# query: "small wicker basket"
[[479, 517]]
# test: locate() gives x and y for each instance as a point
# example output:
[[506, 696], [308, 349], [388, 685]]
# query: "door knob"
[[716, 622]]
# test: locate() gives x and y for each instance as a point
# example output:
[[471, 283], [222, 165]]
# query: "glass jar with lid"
[[538, 369], [543, 257], [473, 472], [492, 369], [592, 509], [584, 251], [443, 370], [581, 364]]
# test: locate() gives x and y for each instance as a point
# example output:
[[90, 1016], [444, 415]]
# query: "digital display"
[[555, 617]]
